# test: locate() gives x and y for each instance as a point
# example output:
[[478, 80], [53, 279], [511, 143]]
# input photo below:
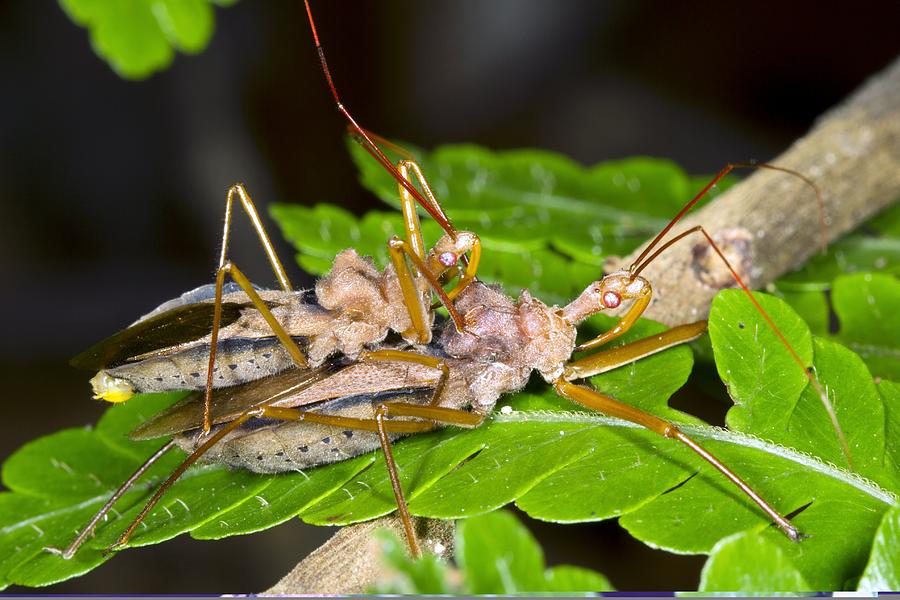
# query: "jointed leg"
[[412, 296], [624, 324], [399, 251], [434, 415], [413, 357], [237, 190], [610, 406], [612, 358], [468, 265], [408, 204], [70, 550], [208, 443], [394, 475], [378, 424], [289, 344], [226, 266], [823, 397]]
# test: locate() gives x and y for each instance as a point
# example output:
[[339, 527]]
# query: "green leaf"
[[139, 37], [499, 556], [525, 200], [749, 563], [855, 253], [426, 575], [811, 306], [890, 395], [882, 573], [761, 376], [59, 482], [495, 554], [568, 579], [868, 308], [887, 223], [785, 410]]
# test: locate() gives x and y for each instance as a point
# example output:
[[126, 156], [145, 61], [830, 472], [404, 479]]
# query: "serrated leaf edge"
[[720, 434]]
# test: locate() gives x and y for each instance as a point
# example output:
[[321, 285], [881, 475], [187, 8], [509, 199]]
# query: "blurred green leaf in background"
[[495, 554], [139, 37]]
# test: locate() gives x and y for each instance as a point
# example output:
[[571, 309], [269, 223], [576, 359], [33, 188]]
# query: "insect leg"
[[238, 191], [624, 324], [612, 358], [208, 442], [610, 406], [407, 168], [289, 344], [444, 414], [413, 357], [408, 206], [73, 547], [399, 251], [434, 414], [447, 416], [394, 475], [412, 297], [823, 396]]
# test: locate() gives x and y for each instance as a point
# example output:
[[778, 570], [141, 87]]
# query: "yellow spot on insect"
[[111, 389]]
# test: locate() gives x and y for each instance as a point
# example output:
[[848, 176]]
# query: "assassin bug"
[[488, 348]]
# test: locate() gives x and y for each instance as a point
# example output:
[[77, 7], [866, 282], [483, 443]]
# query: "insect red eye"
[[611, 299], [448, 259]]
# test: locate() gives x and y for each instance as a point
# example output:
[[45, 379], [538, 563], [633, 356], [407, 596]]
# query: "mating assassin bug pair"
[[364, 361]]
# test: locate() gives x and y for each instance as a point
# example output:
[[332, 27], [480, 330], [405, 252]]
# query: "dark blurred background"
[[112, 191]]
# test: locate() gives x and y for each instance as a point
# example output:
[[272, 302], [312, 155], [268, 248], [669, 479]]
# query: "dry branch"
[[853, 155]]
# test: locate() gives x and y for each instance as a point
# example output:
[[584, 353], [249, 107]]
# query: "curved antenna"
[[822, 393], [643, 260], [365, 140], [637, 266]]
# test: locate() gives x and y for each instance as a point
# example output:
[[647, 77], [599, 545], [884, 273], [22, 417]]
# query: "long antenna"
[[643, 260], [636, 267], [363, 138]]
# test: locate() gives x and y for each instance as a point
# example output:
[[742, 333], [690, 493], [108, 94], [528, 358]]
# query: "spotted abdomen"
[[267, 446], [238, 360]]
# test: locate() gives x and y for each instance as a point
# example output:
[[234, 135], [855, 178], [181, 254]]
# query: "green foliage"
[[868, 308], [727, 569], [874, 248], [549, 222], [534, 453], [883, 570], [541, 449], [139, 37], [427, 575], [495, 555]]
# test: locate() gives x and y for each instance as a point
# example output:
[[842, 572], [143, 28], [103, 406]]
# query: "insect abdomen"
[[238, 360]]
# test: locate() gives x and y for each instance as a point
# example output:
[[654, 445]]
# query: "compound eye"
[[611, 300], [448, 259]]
